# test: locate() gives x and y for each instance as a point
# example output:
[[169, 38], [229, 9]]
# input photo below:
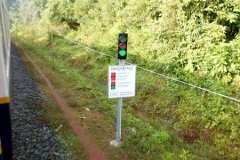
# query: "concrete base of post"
[[115, 143]]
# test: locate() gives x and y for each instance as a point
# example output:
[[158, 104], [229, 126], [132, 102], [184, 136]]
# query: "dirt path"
[[93, 152]]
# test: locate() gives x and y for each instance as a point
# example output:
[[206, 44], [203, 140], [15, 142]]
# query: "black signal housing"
[[122, 46]]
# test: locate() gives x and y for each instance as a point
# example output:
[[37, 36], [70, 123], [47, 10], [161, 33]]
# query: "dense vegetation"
[[194, 40], [191, 35], [173, 36]]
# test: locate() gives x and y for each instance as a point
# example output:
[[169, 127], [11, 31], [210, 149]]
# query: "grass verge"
[[164, 120]]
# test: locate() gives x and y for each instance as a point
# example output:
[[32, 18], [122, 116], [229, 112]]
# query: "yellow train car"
[[5, 122]]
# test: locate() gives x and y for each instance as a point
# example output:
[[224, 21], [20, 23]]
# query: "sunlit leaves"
[[191, 35]]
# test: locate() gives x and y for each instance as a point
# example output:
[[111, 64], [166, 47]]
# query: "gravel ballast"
[[33, 139]]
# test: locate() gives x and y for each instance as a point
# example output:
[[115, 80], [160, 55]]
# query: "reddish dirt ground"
[[93, 152]]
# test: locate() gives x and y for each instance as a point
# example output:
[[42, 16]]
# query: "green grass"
[[164, 121]]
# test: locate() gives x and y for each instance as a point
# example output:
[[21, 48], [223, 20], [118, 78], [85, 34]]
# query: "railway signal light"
[[122, 45]]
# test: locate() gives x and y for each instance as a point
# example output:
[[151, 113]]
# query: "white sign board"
[[121, 81]]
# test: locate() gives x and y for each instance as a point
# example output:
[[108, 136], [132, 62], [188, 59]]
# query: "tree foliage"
[[184, 35]]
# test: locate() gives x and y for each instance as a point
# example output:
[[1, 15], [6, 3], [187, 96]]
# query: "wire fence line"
[[151, 71], [83, 45]]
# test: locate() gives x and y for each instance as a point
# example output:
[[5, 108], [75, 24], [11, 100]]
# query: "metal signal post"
[[122, 55], [121, 83], [119, 114]]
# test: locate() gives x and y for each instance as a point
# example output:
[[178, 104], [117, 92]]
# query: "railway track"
[[33, 139]]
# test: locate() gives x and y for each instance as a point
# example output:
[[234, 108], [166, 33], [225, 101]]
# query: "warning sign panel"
[[121, 81]]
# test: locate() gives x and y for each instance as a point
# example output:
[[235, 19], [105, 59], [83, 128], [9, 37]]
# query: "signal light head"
[[122, 45]]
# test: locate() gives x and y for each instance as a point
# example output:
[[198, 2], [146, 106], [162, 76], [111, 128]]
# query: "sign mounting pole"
[[119, 114]]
